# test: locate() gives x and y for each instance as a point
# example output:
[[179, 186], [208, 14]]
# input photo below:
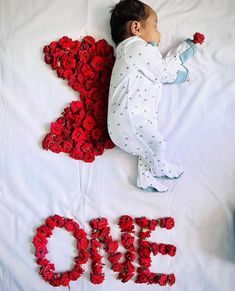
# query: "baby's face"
[[149, 31]]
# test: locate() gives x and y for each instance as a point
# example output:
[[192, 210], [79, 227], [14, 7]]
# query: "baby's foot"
[[169, 170], [148, 183]]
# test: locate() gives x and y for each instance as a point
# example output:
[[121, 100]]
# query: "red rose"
[[105, 232], [44, 231], [97, 63], [94, 254], [114, 258], [67, 113], [127, 274], [162, 249], [53, 45], [95, 243], [117, 267], [67, 146], [67, 74], [87, 71], [57, 52], [39, 241], [126, 223], [65, 279], [46, 49], [56, 220], [84, 56], [154, 247], [127, 240], [98, 223], [109, 144], [111, 247], [43, 262], [56, 128], [169, 223], [76, 106], [50, 222], [141, 278], [95, 234], [152, 224], [96, 269], [144, 252], [83, 257], [48, 59], [96, 133], [144, 233], [48, 139], [60, 72], [89, 39], [145, 262], [55, 148], [171, 250], [54, 63], [171, 279], [70, 225], [162, 279], [41, 252], [144, 243], [46, 272], [76, 154], [68, 62], [101, 45], [198, 38], [74, 275], [97, 279], [99, 149], [66, 42], [130, 256], [78, 134], [87, 147], [143, 222], [89, 123]]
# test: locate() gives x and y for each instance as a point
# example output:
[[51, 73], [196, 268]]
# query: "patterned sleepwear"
[[134, 95]]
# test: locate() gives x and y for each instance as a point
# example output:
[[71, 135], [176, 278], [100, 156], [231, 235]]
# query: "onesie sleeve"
[[170, 68]]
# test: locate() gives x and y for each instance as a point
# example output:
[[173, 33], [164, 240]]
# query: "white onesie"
[[134, 95]]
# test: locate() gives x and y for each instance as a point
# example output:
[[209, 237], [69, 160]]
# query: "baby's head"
[[133, 17]]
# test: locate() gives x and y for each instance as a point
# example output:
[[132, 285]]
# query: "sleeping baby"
[[136, 87]]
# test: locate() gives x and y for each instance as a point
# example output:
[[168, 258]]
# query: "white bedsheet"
[[196, 118]]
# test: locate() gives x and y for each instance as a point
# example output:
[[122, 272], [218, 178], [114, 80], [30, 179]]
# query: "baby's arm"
[[161, 69], [180, 55], [174, 61]]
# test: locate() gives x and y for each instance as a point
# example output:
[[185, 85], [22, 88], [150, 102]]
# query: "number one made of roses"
[[100, 237], [81, 131]]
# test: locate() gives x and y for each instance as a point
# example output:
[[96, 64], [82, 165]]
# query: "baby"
[[136, 87]]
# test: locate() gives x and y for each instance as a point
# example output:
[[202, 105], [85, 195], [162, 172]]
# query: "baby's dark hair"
[[123, 12]]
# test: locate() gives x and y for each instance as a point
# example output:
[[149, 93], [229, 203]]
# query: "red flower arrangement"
[[101, 236], [40, 240], [86, 65], [146, 248], [198, 38]]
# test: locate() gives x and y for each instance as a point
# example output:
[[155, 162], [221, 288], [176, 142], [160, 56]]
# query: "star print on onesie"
[[138, 75]]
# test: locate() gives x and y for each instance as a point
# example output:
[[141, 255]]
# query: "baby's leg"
[[146, 179], [154, 152]]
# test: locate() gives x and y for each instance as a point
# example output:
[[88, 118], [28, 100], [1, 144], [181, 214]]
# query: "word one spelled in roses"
[[121, 263], [86, 65]]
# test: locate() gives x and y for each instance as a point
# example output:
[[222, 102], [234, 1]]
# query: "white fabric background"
[[196, 118]]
